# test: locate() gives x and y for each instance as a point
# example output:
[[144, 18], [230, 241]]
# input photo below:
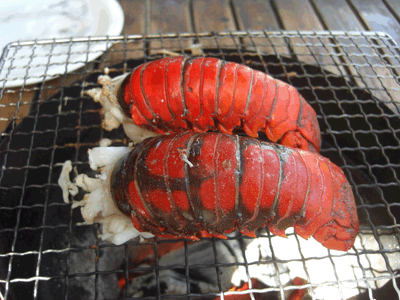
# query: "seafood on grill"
[[177, 94], [192, 185]]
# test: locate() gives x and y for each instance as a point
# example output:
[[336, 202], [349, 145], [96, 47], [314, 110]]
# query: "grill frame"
[[243, 42]]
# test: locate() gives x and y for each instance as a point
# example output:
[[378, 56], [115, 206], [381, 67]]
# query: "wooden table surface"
[[146, 16], [155, 16]]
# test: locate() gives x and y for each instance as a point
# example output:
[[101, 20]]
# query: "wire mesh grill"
[[350, 78]]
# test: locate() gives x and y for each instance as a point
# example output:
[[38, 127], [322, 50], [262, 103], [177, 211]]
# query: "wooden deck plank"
[[209, 15], [134, 24], [213, 16], [259, 15], [255, 15], [134, 19], [377, 17], [169, 16], [362, 60], [338, 15], [14, 104], [166, 17], [299, 15], [394, 8], [345, 19]]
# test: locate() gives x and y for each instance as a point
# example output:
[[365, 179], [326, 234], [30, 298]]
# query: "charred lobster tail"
[[209, 184], [122, 177], [117, 188], [126, 107]]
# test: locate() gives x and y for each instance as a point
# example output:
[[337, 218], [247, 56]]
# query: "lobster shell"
[[208, 184], [178, 94]]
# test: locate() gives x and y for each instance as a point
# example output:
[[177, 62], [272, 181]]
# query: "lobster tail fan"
[[341, 232], [308, 126]]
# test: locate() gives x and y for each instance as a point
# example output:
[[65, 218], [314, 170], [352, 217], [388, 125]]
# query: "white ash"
[[314, 263], [320, 266]]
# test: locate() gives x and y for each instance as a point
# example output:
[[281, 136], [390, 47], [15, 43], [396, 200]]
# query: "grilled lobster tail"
[[176, 94], [208, 184]]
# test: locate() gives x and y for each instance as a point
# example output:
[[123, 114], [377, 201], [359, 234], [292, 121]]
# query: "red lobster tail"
[[176, 94], [208, 184], [341, 232], [330, 214], [309, 128]]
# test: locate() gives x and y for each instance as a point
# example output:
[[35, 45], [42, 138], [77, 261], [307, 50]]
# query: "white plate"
[[47, 19]]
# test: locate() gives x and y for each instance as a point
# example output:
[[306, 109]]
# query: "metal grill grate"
[[352, 81]]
